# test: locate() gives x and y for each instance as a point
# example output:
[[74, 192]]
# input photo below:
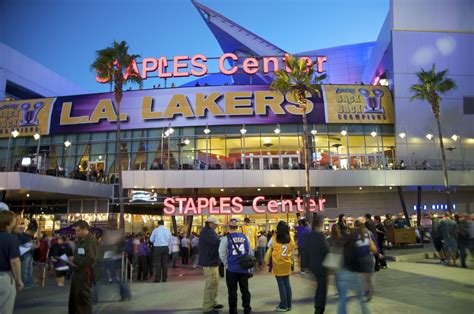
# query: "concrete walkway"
[[403, 288]]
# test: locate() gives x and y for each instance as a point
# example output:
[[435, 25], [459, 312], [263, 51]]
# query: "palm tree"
[[114, 65], [432, 86], [300, 81]]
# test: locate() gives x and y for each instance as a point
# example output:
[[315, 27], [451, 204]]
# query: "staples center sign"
[[184, 66], [234, 206]]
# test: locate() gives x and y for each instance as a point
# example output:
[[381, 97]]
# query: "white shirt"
[[174, 244], [262, 241], [185, 242], [161, 237], [195, 242]]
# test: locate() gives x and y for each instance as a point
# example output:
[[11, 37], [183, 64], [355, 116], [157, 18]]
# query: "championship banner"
[[28, 117], [359, 104], [181, 107]]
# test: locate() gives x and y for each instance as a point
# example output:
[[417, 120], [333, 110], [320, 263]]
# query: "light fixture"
[[267, 140], [222, 190], [36, 136], [343, 132], [27, 195], [170, 130], [67, 144], [402, 134], [314, 132], [207, 130], [243, 130], [390, 188], [277, 131], [15, 133], [26, 161], [100, 157], [272, 185], [187, 141], [259, 189], [360, 188], [286, 185], [429, 136], [167, 133], [373, 134], [455, 137]]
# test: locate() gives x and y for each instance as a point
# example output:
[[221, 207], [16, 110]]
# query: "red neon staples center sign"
[[184, 66], [234, 206]]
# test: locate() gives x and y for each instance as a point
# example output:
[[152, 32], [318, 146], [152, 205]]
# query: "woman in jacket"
[[366, 257], [282, 246]]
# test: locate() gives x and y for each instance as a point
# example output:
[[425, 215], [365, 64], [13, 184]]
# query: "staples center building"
[[226, 144]]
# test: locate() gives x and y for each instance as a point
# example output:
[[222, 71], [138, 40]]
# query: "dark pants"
[[184, 255], [284, 288], [463, 245], [232, 279], [321, 293], [160, 257], [150, 263], [301, 253], [80, 300], [142, 267]]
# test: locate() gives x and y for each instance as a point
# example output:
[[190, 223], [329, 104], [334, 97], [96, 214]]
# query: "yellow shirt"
[[251, 233], [282, 254]]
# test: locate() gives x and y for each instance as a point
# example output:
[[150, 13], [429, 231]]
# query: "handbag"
[[332, 260], [246, 261], [372, 246]]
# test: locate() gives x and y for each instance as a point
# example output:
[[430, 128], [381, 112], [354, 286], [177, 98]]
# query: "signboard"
[[184, 66], [181, 107], [26, 116], [360, 104], [234, 206], [194, 106]]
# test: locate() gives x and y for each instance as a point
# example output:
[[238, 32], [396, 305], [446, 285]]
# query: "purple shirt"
[[301, 232], [143, 250]]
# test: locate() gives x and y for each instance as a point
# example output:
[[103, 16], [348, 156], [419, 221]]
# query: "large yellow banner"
[[359, 104], [25, 116]]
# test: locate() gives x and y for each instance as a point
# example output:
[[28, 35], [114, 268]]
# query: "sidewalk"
[[403, 288]]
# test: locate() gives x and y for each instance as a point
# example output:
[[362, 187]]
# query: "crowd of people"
[[239, 252]]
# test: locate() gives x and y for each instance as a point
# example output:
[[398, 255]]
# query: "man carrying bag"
[[235, 253]]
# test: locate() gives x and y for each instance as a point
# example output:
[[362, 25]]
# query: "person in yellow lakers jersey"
[[251, 233], [282, 246]]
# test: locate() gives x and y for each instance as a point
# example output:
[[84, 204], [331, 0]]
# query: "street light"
[[207, 131], [429, 136], [37, 137], [13, 134], [373, 133], [314, 132], [67, 144], [243, 130], [277, 131], [455, 137]]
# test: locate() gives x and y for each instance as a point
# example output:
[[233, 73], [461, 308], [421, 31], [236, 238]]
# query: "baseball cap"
[[213, 219], [233, 222]]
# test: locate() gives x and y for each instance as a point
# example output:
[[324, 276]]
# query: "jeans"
[[232, 279], [174, 258], [463, 245], [284, 288], [184, 255], [27, 269], [321, 293], [346, 281], [261, 257]]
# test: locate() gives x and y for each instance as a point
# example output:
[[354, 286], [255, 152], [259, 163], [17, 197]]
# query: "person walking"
[[27, 246], [302, 230], [437, 237], [365, 241], [174, 249], [348, 277], [195, 249], [380, 236], [142, 259], [231, 248], [161, 239], [316, 250], [185, 244], [449, 231], [282, 246], [463, 237], [262, 243], [84, 258], [209, 260], [10, 264]]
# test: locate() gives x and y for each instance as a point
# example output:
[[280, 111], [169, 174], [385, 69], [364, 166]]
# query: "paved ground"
[[403, 288]]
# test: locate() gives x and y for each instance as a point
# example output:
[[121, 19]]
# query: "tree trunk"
[[306, 163], [445, 168], [119, 169]]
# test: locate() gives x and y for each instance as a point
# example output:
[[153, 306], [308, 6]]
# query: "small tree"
[[114, 66], [430, 88], [300, 81]]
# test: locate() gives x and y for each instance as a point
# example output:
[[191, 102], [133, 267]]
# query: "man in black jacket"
[[317, 249], [209, 260]]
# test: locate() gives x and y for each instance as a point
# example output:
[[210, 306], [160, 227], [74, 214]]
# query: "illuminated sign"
[[234, 206], [184, 66], [434, 207]]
